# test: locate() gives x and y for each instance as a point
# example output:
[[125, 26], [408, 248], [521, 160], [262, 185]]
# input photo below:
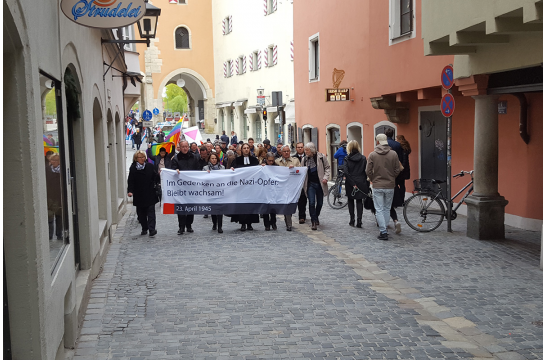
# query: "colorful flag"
[[47, 141], [154, 150], [48, 148], [174, 134]]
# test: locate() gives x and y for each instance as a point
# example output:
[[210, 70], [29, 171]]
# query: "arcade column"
[[485, 207]]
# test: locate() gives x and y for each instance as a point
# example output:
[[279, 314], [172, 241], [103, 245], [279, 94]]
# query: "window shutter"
[[223, 25], [266, 51], [291, 49], [259, 60], [230, 23], [225, 69], [251, 61], [275, 5], [265, 6], [236, 66], [275, 55], [244, 64]]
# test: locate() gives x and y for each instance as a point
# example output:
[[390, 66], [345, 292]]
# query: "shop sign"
[[502, 107], [104, 14], [337, 95]]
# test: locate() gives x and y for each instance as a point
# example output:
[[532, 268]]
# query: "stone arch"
[[332, 146], [198, 78], [354, 131], [71, 59]]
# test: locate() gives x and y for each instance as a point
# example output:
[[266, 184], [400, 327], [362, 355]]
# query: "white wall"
[[252, 31]]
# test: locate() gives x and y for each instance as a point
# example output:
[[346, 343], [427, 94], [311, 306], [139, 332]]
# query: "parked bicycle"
[[425, 210], [335, 197]]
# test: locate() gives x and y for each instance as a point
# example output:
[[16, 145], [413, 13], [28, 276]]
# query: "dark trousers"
[[185, 221], [55, 217], [302, 205], [146, 217], [269, 219], [315, 200], [217, 220], [359, 208], [138, 146]]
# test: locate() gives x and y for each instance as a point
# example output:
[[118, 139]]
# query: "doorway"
[[433, 146]]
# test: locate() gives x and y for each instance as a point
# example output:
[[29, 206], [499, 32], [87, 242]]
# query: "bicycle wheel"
[[423, 213], [335, 199]]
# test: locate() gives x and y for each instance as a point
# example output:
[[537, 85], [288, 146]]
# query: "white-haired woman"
[[356, 179], [142, 178], [316, 185]]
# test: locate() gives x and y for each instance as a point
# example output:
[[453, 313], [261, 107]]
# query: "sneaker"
[[152, 233], [398, 227], [144, 232], [383, 236], [180, 232]]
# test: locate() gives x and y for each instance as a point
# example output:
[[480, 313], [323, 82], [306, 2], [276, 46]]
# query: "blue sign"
[[447, 77], [447, 105], [155, 111], [104, 14], [147, 115]]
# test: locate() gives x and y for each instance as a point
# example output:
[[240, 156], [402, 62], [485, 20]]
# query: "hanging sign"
[[104, 14], [337, 95]]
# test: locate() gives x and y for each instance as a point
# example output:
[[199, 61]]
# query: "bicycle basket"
[[424, 185]]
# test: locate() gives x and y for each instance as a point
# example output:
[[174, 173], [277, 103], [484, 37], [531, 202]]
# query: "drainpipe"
[[523, 117]]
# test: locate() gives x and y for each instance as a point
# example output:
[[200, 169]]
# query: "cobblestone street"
[[336, 293]]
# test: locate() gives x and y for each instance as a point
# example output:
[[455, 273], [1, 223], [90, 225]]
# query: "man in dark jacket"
[[302, 203], [382, 169], [203, 157], [234, 140], [185, 161], [394, 144], [160, 136], [224, 137], [399, 194]]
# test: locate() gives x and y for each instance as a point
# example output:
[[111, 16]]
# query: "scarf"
[[214, 167], [311, 163], [140, 166], [57, 169]]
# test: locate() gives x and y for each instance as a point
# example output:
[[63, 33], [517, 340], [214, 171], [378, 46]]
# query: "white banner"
[[249, 190]]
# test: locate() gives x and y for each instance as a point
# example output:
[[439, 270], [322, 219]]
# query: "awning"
[[240, 102], [290, 113], [225, 104], [272, 109], [253, 110]]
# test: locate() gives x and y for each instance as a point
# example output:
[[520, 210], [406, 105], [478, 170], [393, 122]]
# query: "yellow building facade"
[[182, 49]]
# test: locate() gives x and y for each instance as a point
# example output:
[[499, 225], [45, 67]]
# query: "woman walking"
[[245, 160], [142, 178], [213, 165], [316, 185], [356, 181]]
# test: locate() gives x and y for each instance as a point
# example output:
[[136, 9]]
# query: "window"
[[229, 68], [255, 64], [314, 58], [269, 57], [240, 65], [271, 6], [401, 20], [127, 33], [181, 2], [406, 16], [227, 25], [182, 38]]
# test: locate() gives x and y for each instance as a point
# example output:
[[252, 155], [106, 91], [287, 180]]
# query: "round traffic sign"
[[155, 111], [147, 115], [447, 105], [447, 77]]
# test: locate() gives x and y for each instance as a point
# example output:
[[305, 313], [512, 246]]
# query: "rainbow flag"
[[47, 142], [154, 150], [174, 134], [47, 148]]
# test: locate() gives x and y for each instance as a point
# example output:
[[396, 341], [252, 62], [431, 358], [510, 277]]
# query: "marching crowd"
[[386, 168]]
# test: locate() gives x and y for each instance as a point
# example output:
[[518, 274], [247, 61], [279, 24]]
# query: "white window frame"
[[312, 76], [240, 60], [227, 25], [188, 34], [395, 36], [255, 58], [270, 7], [229, 72], [127, 33], [270, 56]]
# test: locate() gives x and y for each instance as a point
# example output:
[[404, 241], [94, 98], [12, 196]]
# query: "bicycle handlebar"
[[462, 173]]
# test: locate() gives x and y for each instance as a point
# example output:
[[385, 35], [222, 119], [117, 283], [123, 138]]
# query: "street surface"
[[335, 293]]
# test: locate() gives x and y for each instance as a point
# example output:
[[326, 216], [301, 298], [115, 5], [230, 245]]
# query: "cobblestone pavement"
[[336, 293]]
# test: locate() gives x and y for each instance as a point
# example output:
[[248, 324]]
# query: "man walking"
[[224, 137], [287, 161], [184, 161], [161, 136], [399, 195], [382, 169], [302, 203], [234, 139]]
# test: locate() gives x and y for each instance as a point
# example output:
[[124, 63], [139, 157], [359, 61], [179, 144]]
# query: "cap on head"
[[266, 142], [382, 139]]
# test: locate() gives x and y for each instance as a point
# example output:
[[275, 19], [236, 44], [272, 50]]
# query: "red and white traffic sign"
[[447, 105], [447, 77]]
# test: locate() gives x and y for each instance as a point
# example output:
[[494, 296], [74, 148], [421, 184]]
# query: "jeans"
[[146, 216], [383, 202], [315, 200], [340, 184]]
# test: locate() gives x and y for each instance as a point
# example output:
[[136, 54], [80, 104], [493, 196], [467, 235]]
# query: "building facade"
[[253, 49], [182, 49], [392, 83], [65, 191]]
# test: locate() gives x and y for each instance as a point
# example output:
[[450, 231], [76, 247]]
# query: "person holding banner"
[[214, 164], [302, 203], [161, 161], [287, 161], [316, 185], [245, 160], [269, 219], [185, 161], [142, 178]]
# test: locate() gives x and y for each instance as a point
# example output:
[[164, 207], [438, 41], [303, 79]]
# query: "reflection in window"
[[54, 172]]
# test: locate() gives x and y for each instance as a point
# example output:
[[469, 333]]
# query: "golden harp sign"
[[337, 94], [338, 76]]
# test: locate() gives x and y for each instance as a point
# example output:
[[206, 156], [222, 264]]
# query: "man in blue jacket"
[[224, 137], [340, 154]]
